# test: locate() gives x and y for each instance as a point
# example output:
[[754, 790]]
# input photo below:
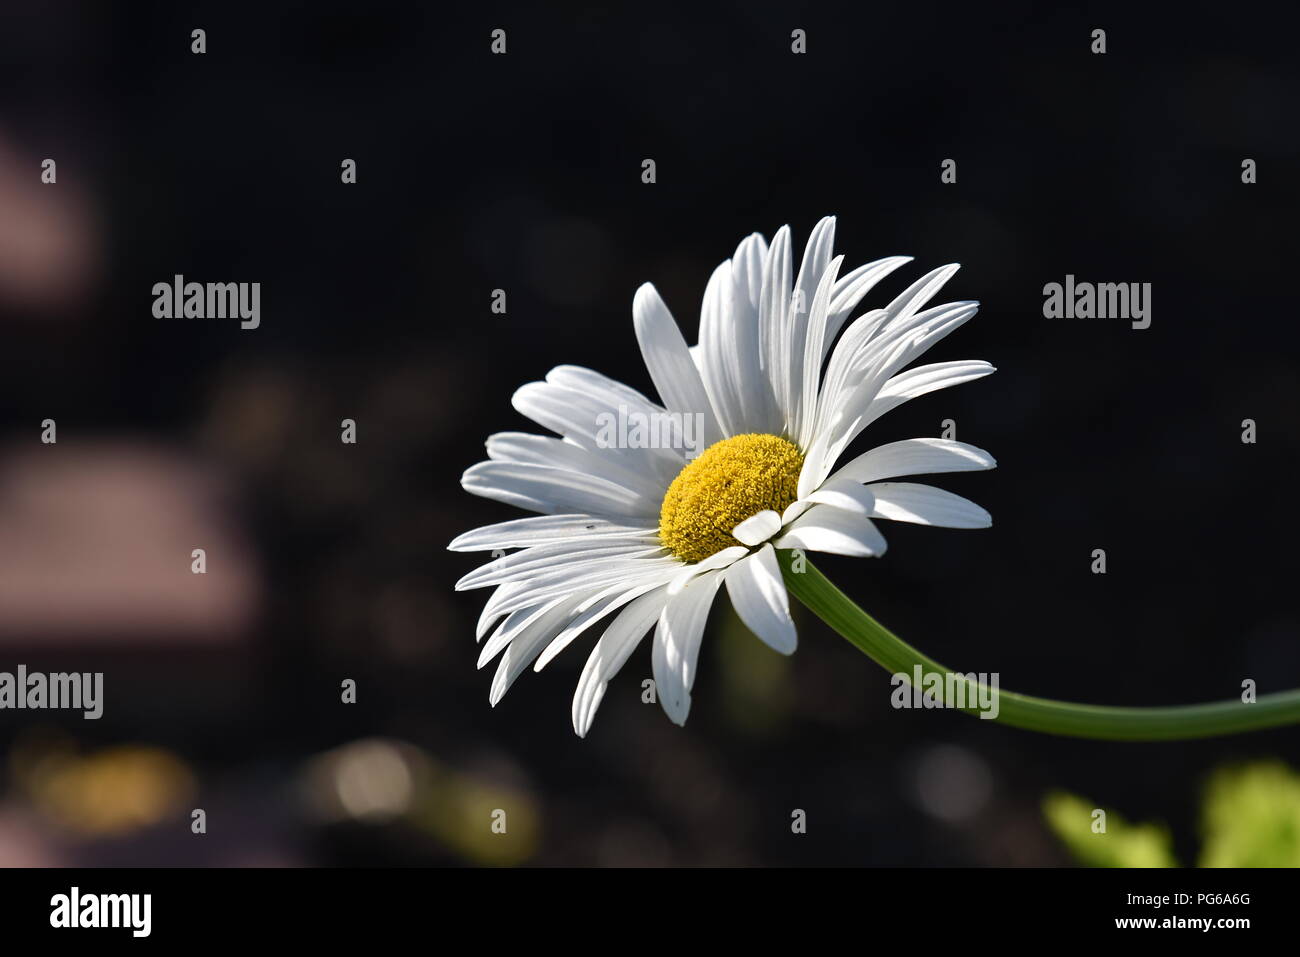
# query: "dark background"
[[522, 172]]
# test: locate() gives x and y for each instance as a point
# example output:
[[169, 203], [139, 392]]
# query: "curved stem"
[[1024, 711]]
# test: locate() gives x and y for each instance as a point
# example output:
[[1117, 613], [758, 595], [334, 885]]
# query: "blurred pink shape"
[[24, 839], [49, 239], [96, 542]]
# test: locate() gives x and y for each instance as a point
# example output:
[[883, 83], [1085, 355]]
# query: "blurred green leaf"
[[1251, 817], [1075, 821]]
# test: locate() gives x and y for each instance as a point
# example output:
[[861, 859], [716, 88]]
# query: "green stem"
[[1023, 711]]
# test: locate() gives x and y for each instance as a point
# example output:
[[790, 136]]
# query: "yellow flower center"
[[730, 481]]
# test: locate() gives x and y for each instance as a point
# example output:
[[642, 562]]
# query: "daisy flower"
[[642, 535]]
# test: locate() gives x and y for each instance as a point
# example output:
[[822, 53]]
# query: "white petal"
[[870, 336], [926, 505], [574, 555], [747, 270], [729, 351], [527, 644], [774, 306], [842, 410], [720, 357], [551, 490], [826, 529], [718, 560], [849, 366], [874, 347], [920, 292], [514, 623], [759, 527], [849, 290], [848, 407], [807, 287], [922, 332], [759, 410], [760, 599], [610, 392], [611, 653], [544, 530], [585, 619], [794, 510], [844, 494], [876, 350], [677, 643], [927, 378], [546, 450], [914, 457], [809, 355], [490, 613], [668, 360], [585, 416], [603, 574]]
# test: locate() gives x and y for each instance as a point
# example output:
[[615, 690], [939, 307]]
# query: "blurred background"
[[327, 561]]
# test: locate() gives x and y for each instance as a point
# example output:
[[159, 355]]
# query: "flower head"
[[638, 530]]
